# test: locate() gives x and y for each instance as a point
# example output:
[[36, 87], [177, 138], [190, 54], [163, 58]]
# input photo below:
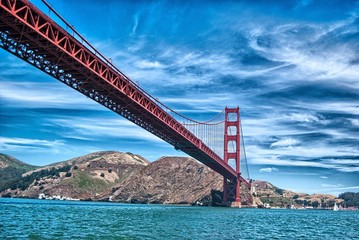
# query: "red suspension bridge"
[[64, 54]]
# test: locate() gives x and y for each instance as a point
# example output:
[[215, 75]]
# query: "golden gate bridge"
[[64, 54]]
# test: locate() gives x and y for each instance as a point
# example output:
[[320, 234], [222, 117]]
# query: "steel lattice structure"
[[29, 34]]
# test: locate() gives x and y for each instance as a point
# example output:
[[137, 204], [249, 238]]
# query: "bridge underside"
[[30, 35]]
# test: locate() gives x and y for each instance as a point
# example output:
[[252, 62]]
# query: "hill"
[[84, 177], [169, 180], [7, 161], [126, 177], [267, 195], [123, 177], [11, 170]]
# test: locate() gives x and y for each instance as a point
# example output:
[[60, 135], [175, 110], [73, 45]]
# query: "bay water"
[[50, 219]]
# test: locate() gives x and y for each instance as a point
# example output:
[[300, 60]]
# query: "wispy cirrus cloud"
[[306, 118], [308, 162], [31, 145], [281, 43], [26, 94], [340, 188], [288, 142], [102, 128], [145, 64], [332, 185], [268, 170]]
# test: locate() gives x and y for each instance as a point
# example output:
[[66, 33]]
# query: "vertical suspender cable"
[[244, 149]]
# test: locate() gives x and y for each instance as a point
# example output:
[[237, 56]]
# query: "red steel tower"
[[231, 187]]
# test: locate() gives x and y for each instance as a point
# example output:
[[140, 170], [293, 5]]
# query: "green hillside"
[[11, 170]]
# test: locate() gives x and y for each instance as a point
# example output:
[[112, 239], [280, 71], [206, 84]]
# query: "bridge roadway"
[[29, 34]]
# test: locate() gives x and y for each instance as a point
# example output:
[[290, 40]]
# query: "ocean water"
[[49, 219]]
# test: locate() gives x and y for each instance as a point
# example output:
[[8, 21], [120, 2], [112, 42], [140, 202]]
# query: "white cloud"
[[339, 187], [306, 52], [99, 127], [26, 144], [268, 170], [348, 169], [306, 117], [39, 95], [144, 64], [355, 122], [273, 160], [324, 177], [338, 107], [287, 142], [277, 157], [332, 185], [135, 25], [342, 161]]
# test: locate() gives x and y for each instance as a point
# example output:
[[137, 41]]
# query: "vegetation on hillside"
[[11, 171], [85, 183], [10, 162], [24, 182], [351, 199], [276, 201], [9, 174]]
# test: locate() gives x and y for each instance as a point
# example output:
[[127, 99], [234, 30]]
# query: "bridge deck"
[[30, 35]]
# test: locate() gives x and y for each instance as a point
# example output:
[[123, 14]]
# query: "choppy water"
[[43, 219]]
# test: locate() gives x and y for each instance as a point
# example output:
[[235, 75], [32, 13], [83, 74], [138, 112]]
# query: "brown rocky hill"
[[80, 178], [169, 180], [267, 193], [173, 180], [125, 177]]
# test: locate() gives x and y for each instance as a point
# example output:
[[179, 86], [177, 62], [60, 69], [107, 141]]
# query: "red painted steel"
[[231, 187], [29, 34]]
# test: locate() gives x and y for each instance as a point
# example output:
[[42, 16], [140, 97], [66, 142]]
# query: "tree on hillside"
[[279, 191], [24, 182], [351, 199], [315, 204]]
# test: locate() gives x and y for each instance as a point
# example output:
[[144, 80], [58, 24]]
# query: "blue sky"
[[292, 67]]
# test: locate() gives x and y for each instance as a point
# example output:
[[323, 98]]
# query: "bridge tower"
[[231, 187]]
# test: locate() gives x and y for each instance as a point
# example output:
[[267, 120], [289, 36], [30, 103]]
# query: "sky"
[[292, 67]]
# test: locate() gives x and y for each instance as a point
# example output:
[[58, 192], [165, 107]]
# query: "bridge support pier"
[[232, 187], [231, 193]]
